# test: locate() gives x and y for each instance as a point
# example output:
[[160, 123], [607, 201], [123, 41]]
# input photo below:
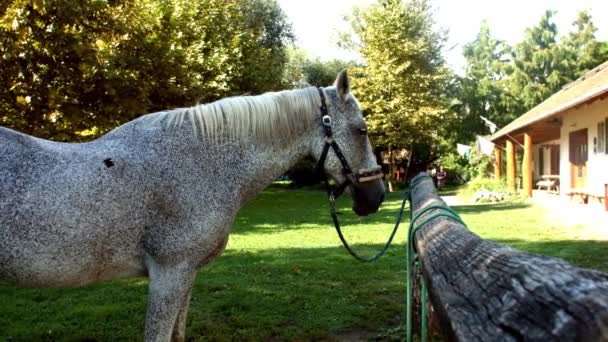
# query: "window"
[[601, 137]]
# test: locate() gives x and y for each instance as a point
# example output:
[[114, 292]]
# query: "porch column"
[[497, 163], [527, 166], [510, 165]]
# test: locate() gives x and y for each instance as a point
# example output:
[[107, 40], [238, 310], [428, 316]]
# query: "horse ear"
[[342, 84]]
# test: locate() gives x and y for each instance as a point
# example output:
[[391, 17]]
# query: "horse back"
[[12, 142], [18, 155]]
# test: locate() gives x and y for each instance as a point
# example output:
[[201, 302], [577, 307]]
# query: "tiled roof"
[[592, 84]]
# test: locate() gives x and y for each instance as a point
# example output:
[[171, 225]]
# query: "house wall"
[[587, 116]]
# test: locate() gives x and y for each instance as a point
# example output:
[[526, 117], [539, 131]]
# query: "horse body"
[[145, 199], [64, 219], [79, 213]]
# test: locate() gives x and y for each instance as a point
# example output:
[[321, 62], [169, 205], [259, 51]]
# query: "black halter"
[[350, 178]]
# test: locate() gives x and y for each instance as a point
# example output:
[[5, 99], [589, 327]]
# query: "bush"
[[461, 170], [457, 168], [481, 183], [480, 166]]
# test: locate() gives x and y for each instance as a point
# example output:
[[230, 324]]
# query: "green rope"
[[423, 310], [334, 217], [412, 257]]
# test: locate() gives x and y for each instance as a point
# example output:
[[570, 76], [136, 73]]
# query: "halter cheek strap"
[[365, 175]]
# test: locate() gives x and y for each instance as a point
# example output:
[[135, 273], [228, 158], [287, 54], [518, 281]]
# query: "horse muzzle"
[[368, 192]]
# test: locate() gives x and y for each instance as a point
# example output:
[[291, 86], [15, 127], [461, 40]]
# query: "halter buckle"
[[326, 119]]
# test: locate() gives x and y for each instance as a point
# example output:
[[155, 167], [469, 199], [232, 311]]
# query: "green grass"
[[284, 276]]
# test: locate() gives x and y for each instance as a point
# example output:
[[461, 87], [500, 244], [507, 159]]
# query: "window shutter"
[[601, 137], [605, 133]]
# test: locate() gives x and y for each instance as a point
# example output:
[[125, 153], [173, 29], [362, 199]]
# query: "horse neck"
[[253, 164], [266, 161]]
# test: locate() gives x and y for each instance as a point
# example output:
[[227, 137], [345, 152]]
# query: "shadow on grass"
[[298, 209], [279, 294]]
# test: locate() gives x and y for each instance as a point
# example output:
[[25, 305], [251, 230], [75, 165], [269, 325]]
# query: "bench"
[[547, 184], [585, 194]]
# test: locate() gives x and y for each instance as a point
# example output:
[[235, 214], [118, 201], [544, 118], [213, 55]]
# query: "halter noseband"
[[365, 175]]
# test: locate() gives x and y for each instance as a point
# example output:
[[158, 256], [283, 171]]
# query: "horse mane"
[[270, 116]]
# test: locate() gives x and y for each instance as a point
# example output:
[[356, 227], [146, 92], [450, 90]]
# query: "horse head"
[[346, 154]]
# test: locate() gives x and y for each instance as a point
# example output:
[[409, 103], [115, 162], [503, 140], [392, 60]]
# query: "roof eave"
[[565, 106]]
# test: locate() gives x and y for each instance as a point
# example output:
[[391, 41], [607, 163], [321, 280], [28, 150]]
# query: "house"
[[564, 140]]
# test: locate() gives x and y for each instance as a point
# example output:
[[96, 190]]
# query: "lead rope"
[[334, 217], [412, 256], [413, 261]]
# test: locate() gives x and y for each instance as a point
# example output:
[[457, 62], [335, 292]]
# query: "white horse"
[[156, 196]]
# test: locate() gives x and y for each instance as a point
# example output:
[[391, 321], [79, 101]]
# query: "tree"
[[584, 50], [305, 71], [401, 83], [321, 74], [483, 87], [54, 66], [293, 73], [266, 35], [87, 66], [483, 90], [540, 66]]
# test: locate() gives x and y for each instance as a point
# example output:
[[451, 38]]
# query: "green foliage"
[[321, 74], [457, 168], [539, 66], [502, 83], [480, 165], [400, 84], [480, 183], [293, 74], [304, 71], [71, 66], [584, 51], [265, 33], [482, 89], [461, 170]]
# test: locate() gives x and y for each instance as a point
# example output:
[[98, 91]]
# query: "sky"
[[316, 22]]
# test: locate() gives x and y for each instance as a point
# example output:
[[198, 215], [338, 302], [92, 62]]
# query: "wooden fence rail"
[[483, 291]]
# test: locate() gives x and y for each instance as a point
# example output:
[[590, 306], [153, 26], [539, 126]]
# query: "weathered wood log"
[[484, 291]]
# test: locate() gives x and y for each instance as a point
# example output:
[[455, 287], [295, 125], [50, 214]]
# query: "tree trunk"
[[484, 291]]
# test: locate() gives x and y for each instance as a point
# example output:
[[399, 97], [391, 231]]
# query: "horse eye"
[[363, 131]]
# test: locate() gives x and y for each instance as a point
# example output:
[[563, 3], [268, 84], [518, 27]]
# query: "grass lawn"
[[284, 276]]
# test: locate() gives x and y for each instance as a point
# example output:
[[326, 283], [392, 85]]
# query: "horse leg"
[[168, 292], [179, 330]]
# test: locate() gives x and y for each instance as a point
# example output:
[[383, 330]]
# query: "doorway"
[[578, 158]]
